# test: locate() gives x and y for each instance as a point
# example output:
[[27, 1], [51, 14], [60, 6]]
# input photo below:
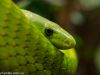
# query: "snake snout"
[[70, 43]]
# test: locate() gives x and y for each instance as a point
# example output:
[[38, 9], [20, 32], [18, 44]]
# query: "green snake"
[[55, 34], [34, 46]]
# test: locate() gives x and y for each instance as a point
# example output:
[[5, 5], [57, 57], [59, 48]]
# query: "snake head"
[[60, 38]]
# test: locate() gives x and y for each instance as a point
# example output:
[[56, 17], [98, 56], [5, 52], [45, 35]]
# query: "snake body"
[[24, 48]]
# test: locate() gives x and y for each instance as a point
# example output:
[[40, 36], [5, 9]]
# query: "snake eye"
[[48, 32]]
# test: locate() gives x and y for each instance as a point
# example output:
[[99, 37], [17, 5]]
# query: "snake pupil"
[[48, 32]]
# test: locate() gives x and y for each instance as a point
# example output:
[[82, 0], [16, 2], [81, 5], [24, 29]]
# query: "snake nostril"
[[70, 44]]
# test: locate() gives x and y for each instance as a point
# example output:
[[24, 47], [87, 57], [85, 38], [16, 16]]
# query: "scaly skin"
[[63, 38], [23, 48]]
